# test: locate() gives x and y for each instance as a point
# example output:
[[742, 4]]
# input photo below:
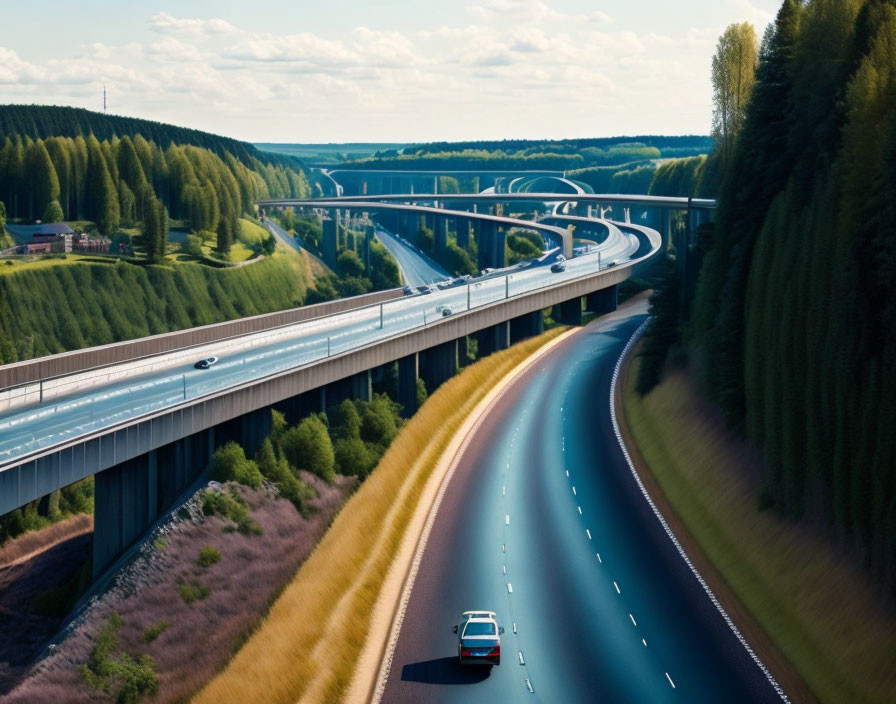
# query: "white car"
[[206, 363], [478, 638]]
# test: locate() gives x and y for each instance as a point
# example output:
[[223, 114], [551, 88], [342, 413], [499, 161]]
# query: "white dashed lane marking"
[[580, 510], [634, 623], [509, 588], [507, 519], [670, 680], [588, 532]]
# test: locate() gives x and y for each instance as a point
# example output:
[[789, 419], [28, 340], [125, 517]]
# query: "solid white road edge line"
[[633, 340]]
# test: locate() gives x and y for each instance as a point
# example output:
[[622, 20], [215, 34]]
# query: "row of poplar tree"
[[795, 309], [132, 181]]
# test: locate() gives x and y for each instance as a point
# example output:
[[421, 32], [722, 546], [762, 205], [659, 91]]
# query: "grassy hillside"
[[71, 304]]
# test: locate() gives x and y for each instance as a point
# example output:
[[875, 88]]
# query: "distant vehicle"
[[445, 283], [407, 291], [424, 289], [446, 311], [486, 271], [558, 267], [478, 638], [463, 279], [206, 363]]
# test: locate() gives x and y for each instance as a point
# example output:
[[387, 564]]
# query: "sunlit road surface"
[[544, 524], [107, 404], [416, 269]]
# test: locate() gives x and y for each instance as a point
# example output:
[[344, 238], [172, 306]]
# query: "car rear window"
[[480, 629]]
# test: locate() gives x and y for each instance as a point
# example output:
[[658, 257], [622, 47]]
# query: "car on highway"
[[478, 638], [558, 267], [206, 363], [425, 288], [408, 291], [446, 311]]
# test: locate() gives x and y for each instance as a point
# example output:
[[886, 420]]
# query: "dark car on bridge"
[[558, 267], [478, 638], [206, 363]]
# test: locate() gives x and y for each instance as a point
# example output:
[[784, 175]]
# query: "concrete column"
[[435, 184], [438, 364], [463, 233], [130, 497], [369, 232], [569, 312], [528, 325], [355, 387], [487, 233], [330, 229], [440, 232], [493, 339], [603, 301], [408, 372]]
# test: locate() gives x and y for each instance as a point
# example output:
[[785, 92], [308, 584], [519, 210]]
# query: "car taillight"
[[466, 653], [496, 652]]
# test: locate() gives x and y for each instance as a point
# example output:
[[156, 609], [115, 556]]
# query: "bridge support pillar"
[[369, 232], [569, 312], [493, 339], [491, 241], [463, 233], [408, 372], [440, 234], [438, 364], [603, 301], [330, 235], [131, 496], [528, 325], [356, 387]]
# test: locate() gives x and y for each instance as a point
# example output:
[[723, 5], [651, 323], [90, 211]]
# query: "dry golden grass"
[[308, 647], [817, 606]]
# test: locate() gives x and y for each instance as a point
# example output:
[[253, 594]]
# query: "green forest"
[[126, 179], [67, 307], [794, 318]]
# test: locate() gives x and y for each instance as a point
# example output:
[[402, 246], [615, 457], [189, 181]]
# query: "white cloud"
[[576, 73], [165, 23]]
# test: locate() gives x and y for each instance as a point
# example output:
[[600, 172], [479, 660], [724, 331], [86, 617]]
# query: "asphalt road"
[[416, 269], [544, 524], [102, 404]]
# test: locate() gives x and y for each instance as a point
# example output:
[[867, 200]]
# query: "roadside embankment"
[[327, 632], [801, 601]]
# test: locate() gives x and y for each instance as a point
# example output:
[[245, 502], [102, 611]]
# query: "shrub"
[[277, 470], [231, 506], [352, 457], [229, 463], [208, 556], [190, 590], [124, 678], [308, 446], [380, 420], [150, 633]]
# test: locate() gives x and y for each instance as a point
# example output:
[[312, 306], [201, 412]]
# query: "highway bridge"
[[144, 421]]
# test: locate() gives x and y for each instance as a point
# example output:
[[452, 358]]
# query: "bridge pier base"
[[493, 339], [569, 312], [528, 325], [603, 301], [438, 364], [131, 496], [408, 372], [356, 387]]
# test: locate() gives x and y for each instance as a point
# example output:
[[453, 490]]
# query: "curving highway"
[[416, 268], [111, 398], [543, 523]]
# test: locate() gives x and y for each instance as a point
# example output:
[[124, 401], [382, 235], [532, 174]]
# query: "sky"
[[378, 70]]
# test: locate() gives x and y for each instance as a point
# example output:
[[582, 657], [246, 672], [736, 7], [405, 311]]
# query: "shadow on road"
[[444, 671]]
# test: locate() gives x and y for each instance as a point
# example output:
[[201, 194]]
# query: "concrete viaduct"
[[143, 464]]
